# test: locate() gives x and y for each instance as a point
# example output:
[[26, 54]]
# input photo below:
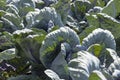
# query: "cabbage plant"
[[59, 40]]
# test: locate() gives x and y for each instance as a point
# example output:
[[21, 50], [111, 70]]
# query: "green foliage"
[[13, 67], [62, 8], [52, 75], [79, 8], [100, 3], [24, 77], [112, 8], [61, 63], [81, 66], [23, 6], [26, 37], [44, 18], [2, 4], [59, 40], [11, 22], [99, 75], [51, 44], [100, 36], [7, 54], [102, 20], [105, 55], [107, 22]]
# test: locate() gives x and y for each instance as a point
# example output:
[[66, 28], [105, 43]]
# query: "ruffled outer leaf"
[[52, 75], [86, 32], [5, 41], [79, 8], [114, 69], [81, 67], [104, 21], [12, 22], [7, 54], [100, 75], [112, 8], [59, 64], [100, 36], [51, 45], [109, 23], [41, 18], [62, 7], [24, 6], [28, 42], [105, 55], [2, 13], [100, 3], [114, 66], [97, 75], [2, 4]]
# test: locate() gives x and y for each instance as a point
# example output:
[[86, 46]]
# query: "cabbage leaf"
[[51, 45], [83, 65]]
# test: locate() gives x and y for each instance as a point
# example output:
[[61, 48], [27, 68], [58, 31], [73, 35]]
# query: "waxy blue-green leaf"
[[82, 66], [86, 32], [18, 35], [12, 9], [109, 23], [52, 75], [33, 38], [100, 36], [59, 65], [95, 10], [48, 2], [105, 55], [100, 3], [102, 20], [24, 6], [116, 74], [33, 18], [100, 75], [115, 65], [92, 20], [96, 75], [51, 44], [7, 54], [41, 18], [5, 40], [113, 53], [12, 22], [75, 24], [2, 4], [72, 22], [79, 8], [112, 8], [114, 69], [62, 8]]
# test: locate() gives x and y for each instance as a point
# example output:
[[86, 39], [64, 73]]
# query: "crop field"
[[59, 39]]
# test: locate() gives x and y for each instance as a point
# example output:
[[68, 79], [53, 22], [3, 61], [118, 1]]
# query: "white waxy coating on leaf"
[[100, 36], [115, 65], [81, 66], [52, 74], [7, 54], [55, 38], [43, 16], [18, 32]]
